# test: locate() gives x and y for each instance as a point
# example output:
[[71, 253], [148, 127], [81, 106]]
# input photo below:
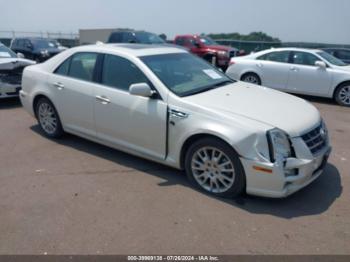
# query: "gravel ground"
[[73, 196]]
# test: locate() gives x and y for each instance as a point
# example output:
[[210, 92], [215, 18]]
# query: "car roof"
[[309, 50], [132, 49], [33, 38]]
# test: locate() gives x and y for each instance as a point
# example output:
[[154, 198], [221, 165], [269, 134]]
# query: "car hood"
[[344, 68], [270, 107], [13, 63]]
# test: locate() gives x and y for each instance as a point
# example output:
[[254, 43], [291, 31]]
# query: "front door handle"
[[104, 100], [59, 85], [293, 68]]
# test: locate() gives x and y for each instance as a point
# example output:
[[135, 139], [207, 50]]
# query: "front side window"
[[303, 58], [120, 73], [207, 41], [185, 74], [281, 57], [82, 66]]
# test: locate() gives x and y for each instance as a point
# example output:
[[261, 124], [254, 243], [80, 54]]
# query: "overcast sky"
[[290, 20]]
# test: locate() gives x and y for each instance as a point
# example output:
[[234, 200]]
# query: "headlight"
[[279, 144], [223, 53], [44, 53]]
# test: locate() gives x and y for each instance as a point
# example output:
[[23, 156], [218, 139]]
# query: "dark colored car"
[[208, 49], [139, 37], [38, 49], [340, 53]]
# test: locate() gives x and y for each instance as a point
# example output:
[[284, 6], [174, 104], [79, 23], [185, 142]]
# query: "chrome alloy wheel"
[[213, 170], [344, 95], [47, 118]]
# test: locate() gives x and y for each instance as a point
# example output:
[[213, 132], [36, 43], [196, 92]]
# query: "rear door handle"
[[104, 100], [58, 85], [294, 69]]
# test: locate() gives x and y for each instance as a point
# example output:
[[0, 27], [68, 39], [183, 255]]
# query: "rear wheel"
[[342, 94], [213, 166], [251, 78], [48, 118]]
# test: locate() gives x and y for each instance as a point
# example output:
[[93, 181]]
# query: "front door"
[[137, 124], [307, 78]]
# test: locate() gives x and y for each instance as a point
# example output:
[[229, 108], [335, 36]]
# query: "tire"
[[211, 174], [251, 78], [342, 94], [48, 118]]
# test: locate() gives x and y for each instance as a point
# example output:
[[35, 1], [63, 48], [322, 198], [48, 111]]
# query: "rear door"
[[274, 69], [135, 123], [73, 85], [306, 77]]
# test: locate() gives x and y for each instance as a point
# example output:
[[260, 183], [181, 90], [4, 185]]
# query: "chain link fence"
[[66, 39]]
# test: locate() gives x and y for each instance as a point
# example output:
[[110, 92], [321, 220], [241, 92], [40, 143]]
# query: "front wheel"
[[342, 95], [213, 166], [48, 118]]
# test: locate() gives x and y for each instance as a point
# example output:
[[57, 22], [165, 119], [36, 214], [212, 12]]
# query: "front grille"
[[316, 139], [13, 77]]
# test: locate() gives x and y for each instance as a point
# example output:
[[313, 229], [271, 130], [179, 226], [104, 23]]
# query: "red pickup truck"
[[208, 49]]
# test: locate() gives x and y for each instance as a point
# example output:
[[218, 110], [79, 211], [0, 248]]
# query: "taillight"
[[232, 62]]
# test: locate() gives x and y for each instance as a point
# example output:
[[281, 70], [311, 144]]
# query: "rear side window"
[[63, 69], [120, 73], [281, 57], [82, 66], [303, 58]]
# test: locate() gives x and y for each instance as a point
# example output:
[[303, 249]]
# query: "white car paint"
[[293, 78], [239, 114]]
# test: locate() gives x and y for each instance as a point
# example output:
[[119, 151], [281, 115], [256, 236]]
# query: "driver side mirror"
[[141, 89], [321, 64], [20, 55]]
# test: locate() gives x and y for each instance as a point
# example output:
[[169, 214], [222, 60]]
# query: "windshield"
[[148, 38], [43, 43], [331, 59], [6, 52], [185, 74], [208, 41]]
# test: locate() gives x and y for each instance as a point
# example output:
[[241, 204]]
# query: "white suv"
[[169, 106], [295, 70]]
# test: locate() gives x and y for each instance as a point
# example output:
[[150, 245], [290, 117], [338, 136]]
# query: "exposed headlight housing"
[[279, 145]]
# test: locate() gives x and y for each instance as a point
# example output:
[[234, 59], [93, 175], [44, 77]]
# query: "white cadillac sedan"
[[295, 70], [166, 105]]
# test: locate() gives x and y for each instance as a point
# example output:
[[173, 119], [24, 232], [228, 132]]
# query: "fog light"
[[291, 172]]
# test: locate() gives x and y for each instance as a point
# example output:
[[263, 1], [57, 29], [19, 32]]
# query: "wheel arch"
[[196, 137], [338, 86], [36, 99], [250, 72]]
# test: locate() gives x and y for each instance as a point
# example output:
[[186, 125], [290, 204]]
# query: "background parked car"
[[294, 70], [208, 49], [131, 36], [38, 49], [11, 68], [340, 53]]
